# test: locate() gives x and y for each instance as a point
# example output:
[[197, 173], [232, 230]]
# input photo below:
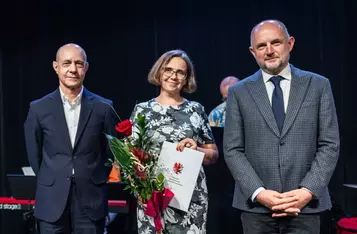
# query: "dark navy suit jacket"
[[53, 158]]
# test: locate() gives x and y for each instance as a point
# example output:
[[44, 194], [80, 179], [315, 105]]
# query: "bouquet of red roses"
[[131, 153]]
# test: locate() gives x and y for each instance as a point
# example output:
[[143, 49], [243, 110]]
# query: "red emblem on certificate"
[[178, 167]]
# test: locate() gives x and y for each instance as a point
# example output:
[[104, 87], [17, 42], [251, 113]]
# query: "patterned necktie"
[[278, 101]]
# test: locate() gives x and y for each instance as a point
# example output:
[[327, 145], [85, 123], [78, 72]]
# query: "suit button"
[[282, 143], [68, 177], [74, 157]]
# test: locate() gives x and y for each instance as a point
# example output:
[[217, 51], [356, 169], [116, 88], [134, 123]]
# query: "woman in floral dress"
[[175, 119]]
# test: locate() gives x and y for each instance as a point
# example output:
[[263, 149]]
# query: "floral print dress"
[[173, 124]]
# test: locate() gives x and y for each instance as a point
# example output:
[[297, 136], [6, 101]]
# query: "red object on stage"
[[347, 226], [10, 200]]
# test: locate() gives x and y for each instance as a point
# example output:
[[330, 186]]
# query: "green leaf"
[[161, 178], [121, 152]]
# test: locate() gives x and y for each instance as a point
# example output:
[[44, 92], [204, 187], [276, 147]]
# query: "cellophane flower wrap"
[[131, 153]]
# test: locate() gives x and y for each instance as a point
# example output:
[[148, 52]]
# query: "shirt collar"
[[286, 73], [77, 100]]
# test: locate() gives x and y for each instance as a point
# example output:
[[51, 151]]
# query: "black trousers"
[[73, 220], [254, 223]]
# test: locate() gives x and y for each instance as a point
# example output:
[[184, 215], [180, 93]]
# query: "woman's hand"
[[188, 143], [210, 150]]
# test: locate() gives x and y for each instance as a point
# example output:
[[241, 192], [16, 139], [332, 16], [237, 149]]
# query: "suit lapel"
[[86, 110], [60, 118], [259, 93], [299, 84]]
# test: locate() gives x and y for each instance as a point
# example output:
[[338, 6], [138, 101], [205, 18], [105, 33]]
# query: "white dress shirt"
[[71, 112], [285, 86]]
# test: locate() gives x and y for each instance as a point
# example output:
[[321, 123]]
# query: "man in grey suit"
[[281, 139]]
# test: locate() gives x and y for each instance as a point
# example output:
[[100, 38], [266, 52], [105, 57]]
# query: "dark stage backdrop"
[[123, 40]]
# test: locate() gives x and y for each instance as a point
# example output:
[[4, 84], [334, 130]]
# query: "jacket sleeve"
[[33, 139], [109, 128], [328, 145]]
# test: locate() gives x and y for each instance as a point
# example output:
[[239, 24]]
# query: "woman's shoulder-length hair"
[[156, 71]]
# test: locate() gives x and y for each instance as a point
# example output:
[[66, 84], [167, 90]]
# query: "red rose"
[[124, 128]]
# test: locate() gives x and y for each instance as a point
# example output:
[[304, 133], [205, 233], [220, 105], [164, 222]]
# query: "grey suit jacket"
[[304, 154]]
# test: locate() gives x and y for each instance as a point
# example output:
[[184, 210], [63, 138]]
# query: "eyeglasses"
[[180, 75]]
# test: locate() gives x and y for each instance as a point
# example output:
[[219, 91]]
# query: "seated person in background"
[[114, 176], [217, 116]]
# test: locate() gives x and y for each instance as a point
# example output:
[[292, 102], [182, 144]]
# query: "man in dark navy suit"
[[67, 150]]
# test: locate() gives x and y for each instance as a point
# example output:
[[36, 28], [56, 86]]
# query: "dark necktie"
[[278, 102]]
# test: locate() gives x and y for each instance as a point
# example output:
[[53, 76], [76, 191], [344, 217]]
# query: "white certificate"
[[181, 171]]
